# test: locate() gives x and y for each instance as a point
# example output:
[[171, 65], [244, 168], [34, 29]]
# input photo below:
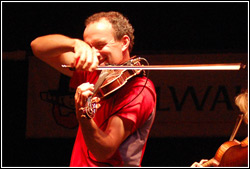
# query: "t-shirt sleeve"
[[135, 102]]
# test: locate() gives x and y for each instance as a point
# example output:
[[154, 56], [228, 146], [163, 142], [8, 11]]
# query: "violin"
[[232, 153], [110, 81], [115, 79]]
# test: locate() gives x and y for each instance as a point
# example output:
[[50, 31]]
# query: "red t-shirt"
[[136, 101]]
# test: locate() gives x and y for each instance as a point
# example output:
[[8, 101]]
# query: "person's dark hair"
[[119, 23]]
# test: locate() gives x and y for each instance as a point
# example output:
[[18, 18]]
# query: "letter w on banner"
[[190, 103]]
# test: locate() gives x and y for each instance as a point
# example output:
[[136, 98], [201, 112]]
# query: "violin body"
[[115, 81], [230, 154]]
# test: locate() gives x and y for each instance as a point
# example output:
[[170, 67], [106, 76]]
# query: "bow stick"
[[223, 66]]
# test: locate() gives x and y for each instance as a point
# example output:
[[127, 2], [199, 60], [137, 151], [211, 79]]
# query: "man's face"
[[100, 36]]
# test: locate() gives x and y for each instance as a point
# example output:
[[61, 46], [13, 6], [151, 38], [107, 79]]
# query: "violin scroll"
[[90, 110]]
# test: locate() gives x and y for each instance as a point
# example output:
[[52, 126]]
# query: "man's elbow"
[[35, 48], [103, 156]]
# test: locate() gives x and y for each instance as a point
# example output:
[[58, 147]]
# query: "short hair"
[[119, 23]]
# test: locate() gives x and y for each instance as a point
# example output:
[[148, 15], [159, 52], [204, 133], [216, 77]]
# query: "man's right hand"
[[85, 57]]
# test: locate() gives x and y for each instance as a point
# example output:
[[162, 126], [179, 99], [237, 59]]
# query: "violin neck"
[[210, 163], [236, 127]]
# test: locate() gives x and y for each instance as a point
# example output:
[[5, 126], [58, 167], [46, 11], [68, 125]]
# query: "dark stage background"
[[159, 28]]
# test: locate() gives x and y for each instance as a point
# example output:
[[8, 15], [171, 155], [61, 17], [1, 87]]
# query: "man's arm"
[[57, 50], [102, 144]]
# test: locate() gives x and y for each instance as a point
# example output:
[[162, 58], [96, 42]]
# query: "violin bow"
[[236, 127], [221, 66]]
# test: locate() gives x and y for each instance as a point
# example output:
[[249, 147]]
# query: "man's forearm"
[[52, 45]]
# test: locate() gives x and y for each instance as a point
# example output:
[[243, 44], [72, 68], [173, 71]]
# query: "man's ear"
[[125, 42]]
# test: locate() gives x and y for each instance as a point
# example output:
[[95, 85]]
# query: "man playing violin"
[[241, 101], [117, 133]]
